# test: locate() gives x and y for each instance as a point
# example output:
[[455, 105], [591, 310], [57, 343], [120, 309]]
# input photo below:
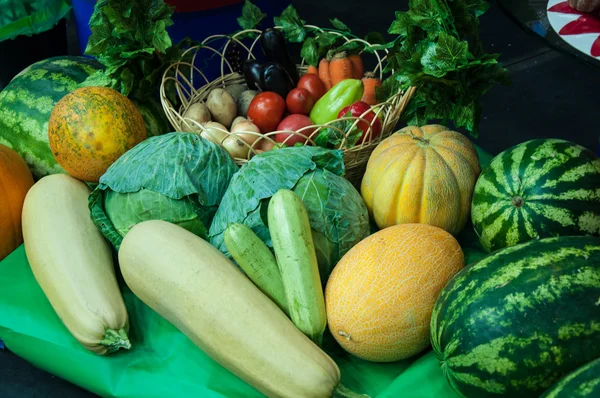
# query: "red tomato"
[[313, 84], [299, 101], [294, 123], [266, 111], [357, 109]]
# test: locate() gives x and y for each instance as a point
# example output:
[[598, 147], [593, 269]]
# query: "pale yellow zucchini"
[[73, 264], [297, 260], [196, 288]]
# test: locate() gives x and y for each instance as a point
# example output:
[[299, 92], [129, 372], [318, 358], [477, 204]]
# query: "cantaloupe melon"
[[380, 296]]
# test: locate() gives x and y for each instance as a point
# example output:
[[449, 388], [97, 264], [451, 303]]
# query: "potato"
[[213, 132], [237, 120], [222, 106], [198, 112], [244, 101], [235, 90], [235, 147]]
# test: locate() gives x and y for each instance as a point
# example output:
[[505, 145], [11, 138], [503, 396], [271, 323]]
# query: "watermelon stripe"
[[521, 318], [556, 186], [583, 382]]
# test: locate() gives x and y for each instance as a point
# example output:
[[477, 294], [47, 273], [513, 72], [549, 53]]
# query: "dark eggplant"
[[275, 48], [276, 78], [253, 71]]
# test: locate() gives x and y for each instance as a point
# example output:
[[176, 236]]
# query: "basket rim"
[[391, 109]]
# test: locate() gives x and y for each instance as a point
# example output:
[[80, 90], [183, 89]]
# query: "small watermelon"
[[581, 383], [538, 189], [27, 101], [517, 321]]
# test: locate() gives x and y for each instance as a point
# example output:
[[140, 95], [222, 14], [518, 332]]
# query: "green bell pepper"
[[342, 94]]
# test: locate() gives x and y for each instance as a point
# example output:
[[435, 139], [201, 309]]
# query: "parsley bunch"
[[438, 50], [130, 39]]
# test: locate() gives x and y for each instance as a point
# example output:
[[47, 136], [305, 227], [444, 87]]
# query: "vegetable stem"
[[115, 340]]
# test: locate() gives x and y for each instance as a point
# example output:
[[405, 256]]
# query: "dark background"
[[553, 95]]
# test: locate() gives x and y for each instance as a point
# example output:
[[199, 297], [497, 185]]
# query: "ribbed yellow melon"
[[380, 295], [422, 175]]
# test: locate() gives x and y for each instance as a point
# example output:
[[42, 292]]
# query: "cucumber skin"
[[257, 261], [295, 253]]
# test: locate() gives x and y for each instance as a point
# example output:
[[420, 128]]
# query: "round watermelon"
[[517, 321], [538, 189], [27, 101], [581, 383]]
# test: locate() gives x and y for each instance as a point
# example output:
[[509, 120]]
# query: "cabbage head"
[[177, 177], [337, 213]]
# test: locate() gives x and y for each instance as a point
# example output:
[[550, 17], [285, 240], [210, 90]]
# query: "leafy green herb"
[[130, 38], [251, 16], [339, 25], [293, 26], [438, 50], [332, 137], [310, 52]]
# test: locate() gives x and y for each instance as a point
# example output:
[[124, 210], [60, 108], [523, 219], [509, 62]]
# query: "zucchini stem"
[[115, 340]]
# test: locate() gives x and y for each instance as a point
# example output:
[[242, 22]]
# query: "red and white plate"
[[580, 30]]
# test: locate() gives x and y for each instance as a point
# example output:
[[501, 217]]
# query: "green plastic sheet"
[[165, 363], [30, 17]]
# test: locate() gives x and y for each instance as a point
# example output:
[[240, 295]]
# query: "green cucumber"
[[257, 261], [295, 252]]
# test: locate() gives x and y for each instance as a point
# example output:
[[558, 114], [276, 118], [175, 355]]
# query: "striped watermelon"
[[27, 101], [581, 383], [518, 320], [539, 189]]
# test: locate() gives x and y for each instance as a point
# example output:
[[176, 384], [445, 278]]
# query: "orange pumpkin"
[[15, 181], [380, 296], [422, 175], [90, 128]]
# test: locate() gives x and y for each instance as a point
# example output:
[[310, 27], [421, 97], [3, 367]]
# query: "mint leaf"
[[251, 16], [401, 25], [332, 136], [309, 52], [374, 38], [98, 79], [349, 46], [293, 26], [379, 47], [444, 56], [429, 15], [339, 25]]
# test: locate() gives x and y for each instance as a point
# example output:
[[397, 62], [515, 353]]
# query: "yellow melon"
[[380, 295], [422, 175], [90, 128]]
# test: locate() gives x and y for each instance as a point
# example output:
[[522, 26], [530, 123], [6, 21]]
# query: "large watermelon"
[[539, 189], [581, 383], [518, 320], [27, 101]]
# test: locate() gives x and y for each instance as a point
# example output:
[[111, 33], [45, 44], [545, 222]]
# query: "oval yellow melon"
[[90, 128], [422, 175], [380, 296], [15, 181]]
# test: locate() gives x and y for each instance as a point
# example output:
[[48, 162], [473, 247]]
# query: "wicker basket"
[[192, 86]]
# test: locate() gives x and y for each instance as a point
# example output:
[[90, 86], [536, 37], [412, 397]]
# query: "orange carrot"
[[324, 73], [340, 68], [369, 84], [313, 70], [357, 66]]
